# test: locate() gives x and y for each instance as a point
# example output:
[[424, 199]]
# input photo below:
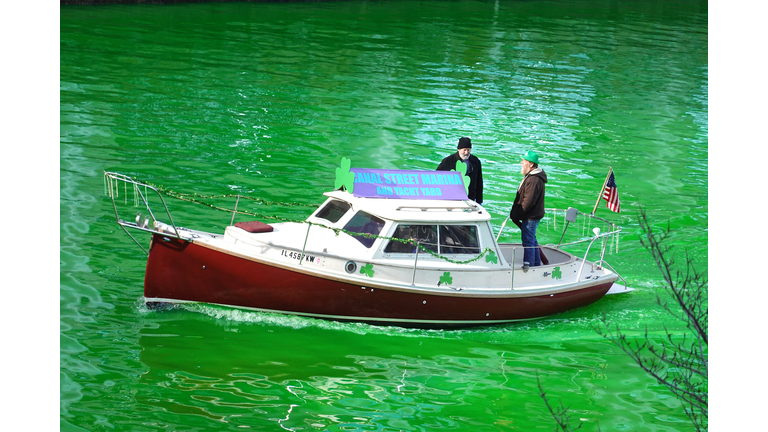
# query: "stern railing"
[[114, 182], [609, 238]]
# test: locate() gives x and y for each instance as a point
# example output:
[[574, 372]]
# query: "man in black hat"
[[474, 171]]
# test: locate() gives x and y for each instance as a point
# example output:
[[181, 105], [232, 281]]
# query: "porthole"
[[350, 267]]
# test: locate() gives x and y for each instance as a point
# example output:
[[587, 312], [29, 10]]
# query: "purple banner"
[[406, 184]]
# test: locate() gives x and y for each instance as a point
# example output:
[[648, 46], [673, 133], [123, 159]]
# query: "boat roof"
[[416, 210]]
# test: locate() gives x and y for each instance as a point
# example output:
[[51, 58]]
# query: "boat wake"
[[294, 321]]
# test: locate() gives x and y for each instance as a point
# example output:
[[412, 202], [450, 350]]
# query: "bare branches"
[[677, 361], [688, 288], [560, 414]]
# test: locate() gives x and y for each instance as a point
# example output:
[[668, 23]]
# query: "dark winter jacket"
[[474, 171], [529, 200]]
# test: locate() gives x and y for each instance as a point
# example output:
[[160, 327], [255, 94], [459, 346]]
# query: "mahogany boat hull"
[[181, 271]]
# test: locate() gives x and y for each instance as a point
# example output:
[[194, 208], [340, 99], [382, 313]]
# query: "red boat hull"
[[182, 271]]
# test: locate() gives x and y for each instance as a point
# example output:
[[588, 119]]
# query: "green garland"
[[372, 236], [196, 198], [186, 197], [191, 196]]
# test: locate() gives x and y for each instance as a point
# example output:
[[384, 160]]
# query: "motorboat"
[[388, 247]]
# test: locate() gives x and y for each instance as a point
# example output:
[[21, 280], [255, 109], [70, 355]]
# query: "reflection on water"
[[369, 380]]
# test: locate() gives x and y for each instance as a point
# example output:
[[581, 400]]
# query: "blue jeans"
[[531, 253]]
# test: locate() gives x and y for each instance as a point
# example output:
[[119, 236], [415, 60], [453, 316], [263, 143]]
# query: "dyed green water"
[[265, 99]]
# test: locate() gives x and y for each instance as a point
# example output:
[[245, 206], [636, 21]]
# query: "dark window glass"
[[458, 239], [425, 235], [333, 210], [366, 223]]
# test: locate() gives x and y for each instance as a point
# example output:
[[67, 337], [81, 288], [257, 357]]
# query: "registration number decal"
[[297, 256]]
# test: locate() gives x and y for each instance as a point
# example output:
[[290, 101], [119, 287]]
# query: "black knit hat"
[[464, 142]]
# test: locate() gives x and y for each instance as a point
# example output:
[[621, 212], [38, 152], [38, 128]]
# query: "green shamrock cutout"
[[367, 270], [445, 279], [464, 176], [344, 177], [556, 273], [491, 257]]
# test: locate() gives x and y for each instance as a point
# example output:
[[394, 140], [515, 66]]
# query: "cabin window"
[[458, 239], [425, 235], [333, 210], [363, 222]]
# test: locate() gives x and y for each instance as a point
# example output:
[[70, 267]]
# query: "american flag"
[[611, 194]]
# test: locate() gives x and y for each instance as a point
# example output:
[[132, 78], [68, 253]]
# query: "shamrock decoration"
[[344, 177], [556, 273], [461, 167], [445, 279], [367, 270], [491, 257]]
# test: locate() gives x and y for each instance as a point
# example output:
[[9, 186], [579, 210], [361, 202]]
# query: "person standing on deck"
[[528, 207], [474, 171]]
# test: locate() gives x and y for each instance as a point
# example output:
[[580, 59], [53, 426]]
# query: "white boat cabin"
[[458, 230]]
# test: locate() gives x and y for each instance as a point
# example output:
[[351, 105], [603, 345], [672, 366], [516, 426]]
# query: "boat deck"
[[513, 253]]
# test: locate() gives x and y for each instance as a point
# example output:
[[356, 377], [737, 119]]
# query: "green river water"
[[264, 99]]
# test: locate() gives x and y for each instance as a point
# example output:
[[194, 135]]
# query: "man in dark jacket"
[[474, 171], [528, 208]]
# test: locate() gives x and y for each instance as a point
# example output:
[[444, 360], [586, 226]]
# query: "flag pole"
[[610, 170]]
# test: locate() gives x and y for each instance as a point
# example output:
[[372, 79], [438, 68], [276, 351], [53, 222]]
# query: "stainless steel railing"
[[113, 182]]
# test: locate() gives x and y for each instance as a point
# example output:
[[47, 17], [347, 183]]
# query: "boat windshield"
[[425, 235], [454, 239], [333, 210], [366, 223], [458, 239]]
